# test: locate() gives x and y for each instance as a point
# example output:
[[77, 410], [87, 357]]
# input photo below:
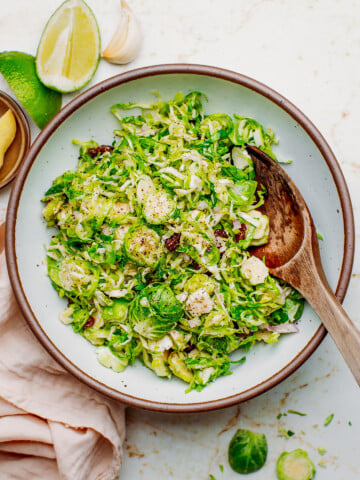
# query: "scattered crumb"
[[295, 412], [328, 420], [282, 432], [133, 451]]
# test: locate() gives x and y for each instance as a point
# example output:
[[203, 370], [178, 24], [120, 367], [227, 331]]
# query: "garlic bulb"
[[126, 42]]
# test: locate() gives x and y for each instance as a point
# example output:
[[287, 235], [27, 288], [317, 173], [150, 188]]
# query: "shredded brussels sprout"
[[153, 238]]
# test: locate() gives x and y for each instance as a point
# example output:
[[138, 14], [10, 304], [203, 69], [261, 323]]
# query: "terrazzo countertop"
[[309, 51]]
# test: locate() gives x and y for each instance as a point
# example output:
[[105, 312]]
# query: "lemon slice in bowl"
[[69, 49], [7, 133]]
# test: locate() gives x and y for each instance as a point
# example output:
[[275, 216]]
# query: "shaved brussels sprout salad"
[[152, 248]]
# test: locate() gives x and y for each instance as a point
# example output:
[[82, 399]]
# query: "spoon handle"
[[335, 319]]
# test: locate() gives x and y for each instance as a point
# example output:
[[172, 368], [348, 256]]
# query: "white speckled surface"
[[309, 51]]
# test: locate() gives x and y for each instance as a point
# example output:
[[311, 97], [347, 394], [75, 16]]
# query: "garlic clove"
[[126, 41]]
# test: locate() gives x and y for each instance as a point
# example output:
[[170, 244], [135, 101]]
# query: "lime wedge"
[[19, 71], [69, 48]]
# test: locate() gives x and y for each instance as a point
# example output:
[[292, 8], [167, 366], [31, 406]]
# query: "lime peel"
[[18, 69]]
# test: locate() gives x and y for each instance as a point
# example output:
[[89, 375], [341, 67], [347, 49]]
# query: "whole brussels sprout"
[[247, 451], [200, 280], [142, 246]]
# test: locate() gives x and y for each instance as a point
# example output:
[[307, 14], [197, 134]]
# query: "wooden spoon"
[[292, 254]]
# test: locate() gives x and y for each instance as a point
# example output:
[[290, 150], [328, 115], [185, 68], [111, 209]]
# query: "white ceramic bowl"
[[314, 170]]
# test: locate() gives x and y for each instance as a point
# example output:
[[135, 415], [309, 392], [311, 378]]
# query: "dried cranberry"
[[101, 149], [221, 233], [242, 234], [105, 148], [195, 265], [173, 242], [90, 322]]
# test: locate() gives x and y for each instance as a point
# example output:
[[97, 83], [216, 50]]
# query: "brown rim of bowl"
[[227, 75], [25, 132]]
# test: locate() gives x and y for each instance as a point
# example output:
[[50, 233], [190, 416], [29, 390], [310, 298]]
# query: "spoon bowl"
[[283, 207], [292, 254]]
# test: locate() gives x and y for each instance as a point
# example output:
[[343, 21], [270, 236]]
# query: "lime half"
[[19, 71], [69, 49]]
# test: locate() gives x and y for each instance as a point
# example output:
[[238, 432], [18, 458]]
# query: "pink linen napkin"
[[52, 427]]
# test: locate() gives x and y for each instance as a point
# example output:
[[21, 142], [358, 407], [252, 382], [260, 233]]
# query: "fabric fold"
[[51, 425]]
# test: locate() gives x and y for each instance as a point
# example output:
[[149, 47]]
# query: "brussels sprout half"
[[243, 192], [142, 245], [158, 207], [247, 451], [74, 275], [116, 311], [201, 249], [155, 311], [295, 465], [144, 187], [200, 280]]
